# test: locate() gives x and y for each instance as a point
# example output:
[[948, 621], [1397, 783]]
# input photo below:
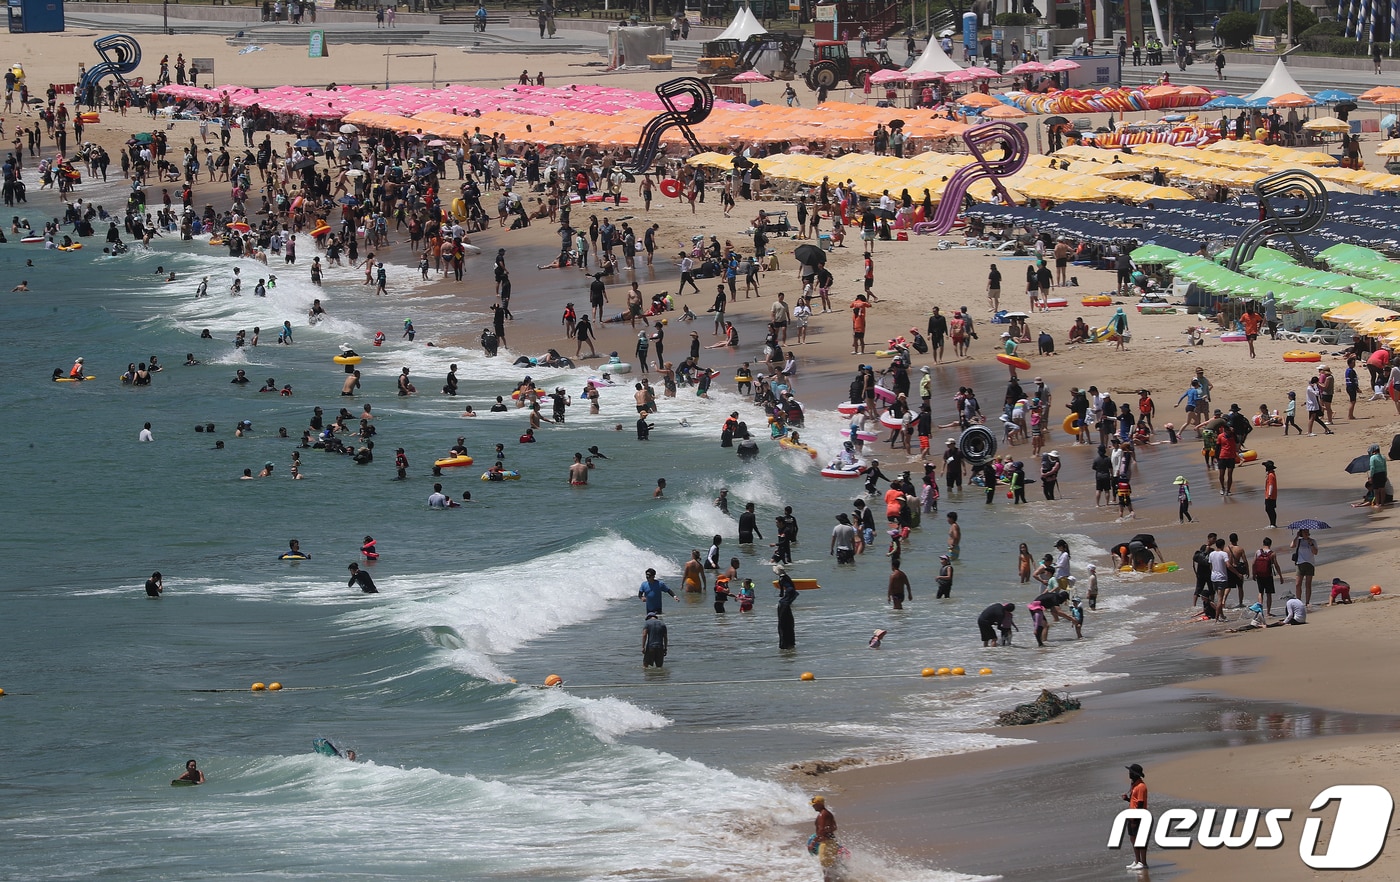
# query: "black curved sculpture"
[[1305, 218], [702, 101]]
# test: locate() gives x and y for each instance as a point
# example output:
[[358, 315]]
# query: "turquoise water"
[[465, 773]]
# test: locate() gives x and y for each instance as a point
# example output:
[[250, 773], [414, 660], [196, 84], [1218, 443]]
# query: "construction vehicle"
[[721, 60], [832, 64]]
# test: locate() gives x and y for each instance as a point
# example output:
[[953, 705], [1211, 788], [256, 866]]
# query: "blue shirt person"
[[652, 589]]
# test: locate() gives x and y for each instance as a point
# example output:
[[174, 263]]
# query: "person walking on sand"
[[1136, 798], [1183, 500], [1271, 493], [1267, 573]]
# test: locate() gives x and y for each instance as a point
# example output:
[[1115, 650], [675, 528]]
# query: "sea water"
[[468, 770]]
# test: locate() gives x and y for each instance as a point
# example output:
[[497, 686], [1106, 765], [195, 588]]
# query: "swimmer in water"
[[22, 286], [192, 773], [294, 549], [154, 585], [361, 578]]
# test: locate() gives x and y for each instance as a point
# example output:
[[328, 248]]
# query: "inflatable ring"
[[30, 240], [887, 353], [748, 380], [320, 231], [886, 395], [511, 475], [1248, 455], [671, 188], [830, 472], [1302, 355], [977, 445], [617, 367], [538, 393], [1014, 361], [215, 240], [453, 461], [89, 118], [1072, 424], [76, 246], [347, 359], [890, 421], [1057, 303], [848, 408], [867, 436], [1097, 300]]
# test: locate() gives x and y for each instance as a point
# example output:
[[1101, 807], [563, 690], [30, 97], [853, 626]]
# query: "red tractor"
[[832, 65]]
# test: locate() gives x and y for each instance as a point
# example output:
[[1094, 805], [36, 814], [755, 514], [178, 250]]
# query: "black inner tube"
[[977, 445]]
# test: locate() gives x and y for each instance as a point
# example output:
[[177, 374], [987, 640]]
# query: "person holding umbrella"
[[1305, 556]]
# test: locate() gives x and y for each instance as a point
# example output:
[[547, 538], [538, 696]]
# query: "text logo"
[[1356, 838]]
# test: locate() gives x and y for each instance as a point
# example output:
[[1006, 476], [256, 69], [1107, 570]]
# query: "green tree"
[[1237, 28], [1303, 18]]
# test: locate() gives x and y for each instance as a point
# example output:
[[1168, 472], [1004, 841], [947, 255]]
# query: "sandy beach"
[[1258, 719]]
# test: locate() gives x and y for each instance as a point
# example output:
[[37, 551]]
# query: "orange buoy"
[[1375, 590], [670, 188]]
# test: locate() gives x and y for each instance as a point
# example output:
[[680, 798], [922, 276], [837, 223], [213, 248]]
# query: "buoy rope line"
[[768, 680]]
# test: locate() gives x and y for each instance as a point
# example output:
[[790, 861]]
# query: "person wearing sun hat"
[[1183, 500]]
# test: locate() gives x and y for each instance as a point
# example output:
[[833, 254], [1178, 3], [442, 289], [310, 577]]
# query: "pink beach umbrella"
[[959, 76], [1026, 67], [1061, 65], [752, 76], [985, 73], [925, 76], [881, 77]]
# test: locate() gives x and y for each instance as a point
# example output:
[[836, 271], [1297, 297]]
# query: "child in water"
[[746, 596]]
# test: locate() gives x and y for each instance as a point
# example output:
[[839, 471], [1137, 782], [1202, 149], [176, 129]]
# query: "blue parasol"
[[1308, 525], [1224, 102], [1332, 96]]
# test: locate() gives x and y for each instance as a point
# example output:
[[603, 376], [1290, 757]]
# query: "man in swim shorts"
[[954, 536], [654, 641], [578, 472]]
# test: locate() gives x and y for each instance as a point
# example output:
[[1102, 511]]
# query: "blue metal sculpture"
[[702, 101], [1293, 221], [121, 55]]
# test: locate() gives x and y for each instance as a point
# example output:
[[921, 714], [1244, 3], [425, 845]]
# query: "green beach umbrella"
[[1155, 254]]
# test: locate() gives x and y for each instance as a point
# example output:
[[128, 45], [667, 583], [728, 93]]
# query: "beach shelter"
[[933, 60], [1280, 82], [742, 27]]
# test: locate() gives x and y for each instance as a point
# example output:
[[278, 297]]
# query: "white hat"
[[924, 369]]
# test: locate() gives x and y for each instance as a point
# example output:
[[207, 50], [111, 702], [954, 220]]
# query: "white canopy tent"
[[743, 26], [1280, 82], [933, 60]]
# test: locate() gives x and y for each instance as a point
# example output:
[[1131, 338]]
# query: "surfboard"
[[180, 782]]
